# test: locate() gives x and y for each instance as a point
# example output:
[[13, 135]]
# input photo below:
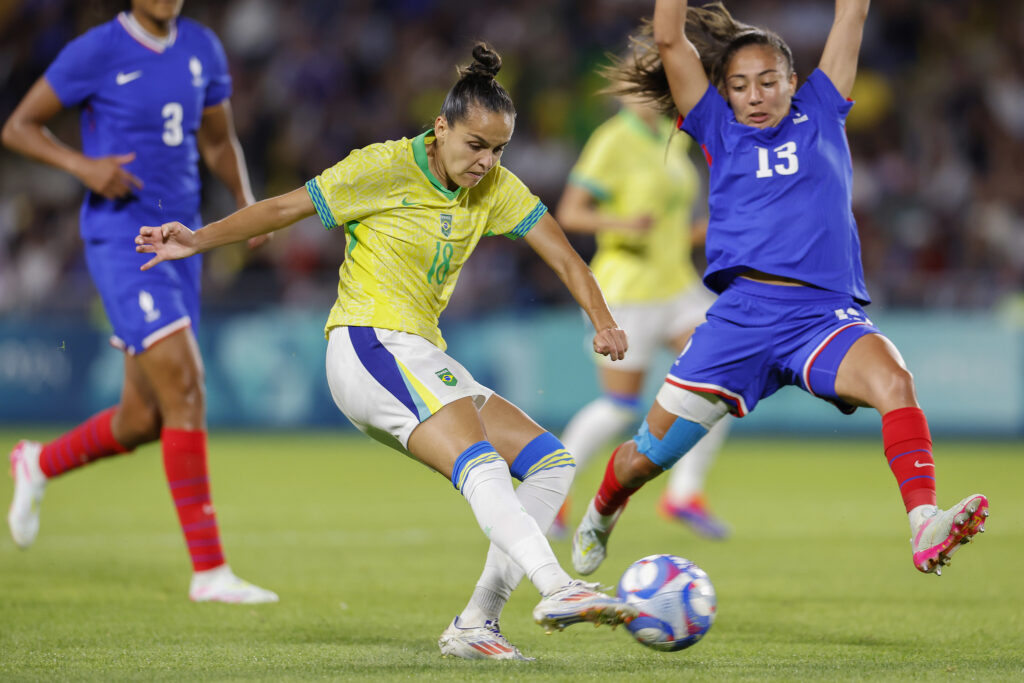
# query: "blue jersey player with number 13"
[[783, 254], [153, 91]]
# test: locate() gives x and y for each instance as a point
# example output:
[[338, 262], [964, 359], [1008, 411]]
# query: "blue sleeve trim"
[[322, 210], [528, 222]]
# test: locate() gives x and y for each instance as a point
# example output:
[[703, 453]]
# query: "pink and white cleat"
[[478, 642], [942, 532], [29, 484], [221, 585]]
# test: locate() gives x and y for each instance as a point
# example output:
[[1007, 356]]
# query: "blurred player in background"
[[784, 255], [153, 90], [412, 212], [634, 187]]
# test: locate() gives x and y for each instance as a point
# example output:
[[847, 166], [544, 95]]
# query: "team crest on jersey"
[[446, 224], [447, 377], [196, 67]]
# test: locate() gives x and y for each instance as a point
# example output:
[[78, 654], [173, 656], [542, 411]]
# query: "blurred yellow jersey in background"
[[408, 235], [633, 171]]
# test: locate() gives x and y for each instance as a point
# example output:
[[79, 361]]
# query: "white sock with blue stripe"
[[595, 424], [546, 469], [485, 481]]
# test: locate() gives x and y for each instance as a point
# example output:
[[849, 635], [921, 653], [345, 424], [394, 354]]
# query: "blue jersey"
[[780, 198], [139, 94]]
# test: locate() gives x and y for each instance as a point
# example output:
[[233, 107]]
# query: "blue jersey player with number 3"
[[783, 254], [153, 91]]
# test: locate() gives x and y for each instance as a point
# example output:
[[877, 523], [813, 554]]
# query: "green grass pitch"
[[372, 555]]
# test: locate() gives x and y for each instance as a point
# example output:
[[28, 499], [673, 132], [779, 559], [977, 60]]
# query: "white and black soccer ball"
[[676, 600]]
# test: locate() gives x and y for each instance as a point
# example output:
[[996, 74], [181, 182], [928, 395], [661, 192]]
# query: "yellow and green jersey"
[[633, 171], [407, 235]]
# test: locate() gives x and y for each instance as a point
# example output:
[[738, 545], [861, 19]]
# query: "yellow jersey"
[[407, 235], [633, 171]]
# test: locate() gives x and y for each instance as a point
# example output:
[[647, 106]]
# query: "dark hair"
[[476, 87], [716, 35]]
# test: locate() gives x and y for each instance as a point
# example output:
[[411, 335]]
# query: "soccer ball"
[[676, 601]]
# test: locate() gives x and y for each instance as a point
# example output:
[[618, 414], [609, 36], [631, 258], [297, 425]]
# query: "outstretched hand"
[[611, 342], [168, 242]]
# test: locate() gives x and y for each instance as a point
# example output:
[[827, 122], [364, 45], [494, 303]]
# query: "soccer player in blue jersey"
[[412, 211], [153, 91], [783, 254]]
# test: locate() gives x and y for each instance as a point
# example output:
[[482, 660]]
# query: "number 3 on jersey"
[[786, 156], [172, 113]]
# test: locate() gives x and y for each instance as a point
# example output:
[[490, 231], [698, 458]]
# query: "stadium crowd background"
[[937, 135]]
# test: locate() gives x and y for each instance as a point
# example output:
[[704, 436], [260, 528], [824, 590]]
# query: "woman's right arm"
[[175, 241], [683, 68], [25, 132], [577, 212]]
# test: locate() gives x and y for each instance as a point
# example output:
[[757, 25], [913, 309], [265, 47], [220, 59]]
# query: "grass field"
[[372, 555]]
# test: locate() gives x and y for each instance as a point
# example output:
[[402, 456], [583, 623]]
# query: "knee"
[[894, 388], [187, 390]]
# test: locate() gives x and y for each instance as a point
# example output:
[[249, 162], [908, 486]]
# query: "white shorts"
[[387, 382], [651, 326]]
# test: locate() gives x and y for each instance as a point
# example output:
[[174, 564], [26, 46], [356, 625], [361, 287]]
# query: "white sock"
[[540, 495], [488, 488], [602, 522], [686, 479], [595, 425]]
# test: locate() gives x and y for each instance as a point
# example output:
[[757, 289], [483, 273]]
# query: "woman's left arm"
[[839, 59], [222, 152], [547, 239]]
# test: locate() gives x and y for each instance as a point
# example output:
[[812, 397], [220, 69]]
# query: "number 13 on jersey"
[[784, 156]]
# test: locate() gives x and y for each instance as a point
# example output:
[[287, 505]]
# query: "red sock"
[[87, 442], [908, 448], [612, 495], [185, 465]]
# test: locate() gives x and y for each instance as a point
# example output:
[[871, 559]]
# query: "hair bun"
[[486, 62]]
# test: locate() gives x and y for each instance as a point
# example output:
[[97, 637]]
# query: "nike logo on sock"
[[918, 463], [123, 77]]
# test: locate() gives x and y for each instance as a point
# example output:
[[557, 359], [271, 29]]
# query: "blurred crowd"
[[937, 134]]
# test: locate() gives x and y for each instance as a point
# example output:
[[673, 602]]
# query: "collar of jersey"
[[147, 39], [638, 124], [419, 153]]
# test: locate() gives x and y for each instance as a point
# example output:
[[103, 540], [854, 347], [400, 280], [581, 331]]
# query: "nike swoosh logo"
[[918, 463], [123, 77], [405, 203]]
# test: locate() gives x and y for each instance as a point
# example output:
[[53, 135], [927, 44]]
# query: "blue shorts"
[[143, 306], [760, 337]]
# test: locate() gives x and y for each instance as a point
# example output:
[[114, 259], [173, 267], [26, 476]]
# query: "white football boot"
[[590, 542], [580, 601], [221, 585], [29, 484], [940, 533], [478, 642]]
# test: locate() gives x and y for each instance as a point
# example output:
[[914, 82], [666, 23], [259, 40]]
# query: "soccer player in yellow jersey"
[[634, 188], [412, 212]]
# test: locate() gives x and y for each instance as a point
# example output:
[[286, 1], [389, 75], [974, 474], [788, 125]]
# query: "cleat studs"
[[981, 529]]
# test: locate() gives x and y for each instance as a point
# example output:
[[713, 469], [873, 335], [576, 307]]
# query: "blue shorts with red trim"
[[143, 306], [760, 337]]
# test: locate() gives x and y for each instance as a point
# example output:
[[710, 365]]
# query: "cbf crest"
[[446, 375], [446, 224]]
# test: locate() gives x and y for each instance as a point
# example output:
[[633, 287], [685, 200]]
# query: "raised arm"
[[686, 77], [547, 239], [839, 59], [175, 241]]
